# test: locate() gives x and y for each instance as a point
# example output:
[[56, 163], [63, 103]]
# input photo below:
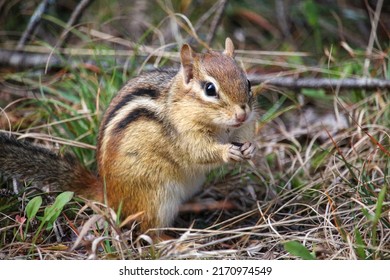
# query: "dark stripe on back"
[[134, 116], [144, 92]]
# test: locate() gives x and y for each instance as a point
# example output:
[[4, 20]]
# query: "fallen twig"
[[216, 21], [74, 17], [197, 207], [324, 83], [374, 23], [34, 21], [32, 59]]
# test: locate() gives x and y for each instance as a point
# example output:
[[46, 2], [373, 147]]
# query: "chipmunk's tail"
[[23, 161]]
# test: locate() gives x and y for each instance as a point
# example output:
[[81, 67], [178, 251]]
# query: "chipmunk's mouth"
[[235, 124]]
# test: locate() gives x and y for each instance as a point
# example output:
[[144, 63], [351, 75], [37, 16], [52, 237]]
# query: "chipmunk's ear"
[[229, 47], [187, 62]]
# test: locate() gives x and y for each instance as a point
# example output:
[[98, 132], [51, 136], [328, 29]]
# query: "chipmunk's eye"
[[250, 88], [210, 90]]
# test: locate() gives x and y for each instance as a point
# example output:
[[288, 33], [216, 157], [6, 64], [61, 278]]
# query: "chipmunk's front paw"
[[234, 153], [248, 150], [240, 151]]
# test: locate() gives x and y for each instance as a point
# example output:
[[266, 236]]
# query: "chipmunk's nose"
[[241, 114]]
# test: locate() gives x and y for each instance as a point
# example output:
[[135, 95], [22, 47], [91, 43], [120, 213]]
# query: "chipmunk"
[[158, 139]]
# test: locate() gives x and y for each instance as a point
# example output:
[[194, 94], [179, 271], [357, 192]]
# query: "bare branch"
[[24, 59], [373, 35], [324, 83], [74, 17], [34, 21], [216, 21]]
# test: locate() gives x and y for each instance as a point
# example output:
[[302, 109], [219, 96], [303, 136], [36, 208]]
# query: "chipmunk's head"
[[216, 86]]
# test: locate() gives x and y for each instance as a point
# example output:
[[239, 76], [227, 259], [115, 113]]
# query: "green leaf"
[[32, 207], [360, 246], [311, 12], [315, 93], [379, 204], [52, 212], [273, 110], [319, 158], [378, 213], [368, 215], [297, 249]]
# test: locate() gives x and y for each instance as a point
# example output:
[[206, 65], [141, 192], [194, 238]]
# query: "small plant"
[[32, 210], [374, 219], [297, 249], [50, 213]]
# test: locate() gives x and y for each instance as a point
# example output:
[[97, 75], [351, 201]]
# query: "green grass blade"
[[360, 246], [378, 213]]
